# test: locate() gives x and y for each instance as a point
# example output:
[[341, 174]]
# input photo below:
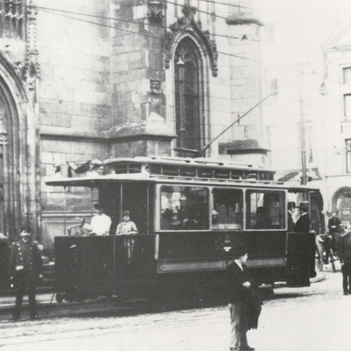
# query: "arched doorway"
[[18, 184], [341, 201]]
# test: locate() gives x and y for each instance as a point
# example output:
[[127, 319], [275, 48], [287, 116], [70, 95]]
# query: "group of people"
[[101, 223], [26, 264]]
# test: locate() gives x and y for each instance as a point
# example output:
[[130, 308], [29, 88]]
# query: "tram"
[[190, 214]]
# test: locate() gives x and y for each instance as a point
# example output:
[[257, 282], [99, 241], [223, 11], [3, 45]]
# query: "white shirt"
[[100, 224]]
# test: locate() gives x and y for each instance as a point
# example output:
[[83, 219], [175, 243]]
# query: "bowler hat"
[[125, 213]]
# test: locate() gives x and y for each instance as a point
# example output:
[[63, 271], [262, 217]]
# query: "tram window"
[[265, 209], [227, 212], [184, 208]]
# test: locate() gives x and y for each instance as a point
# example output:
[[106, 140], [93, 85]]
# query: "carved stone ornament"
[[187, 23], [155, 86], [31, 67], [155, 10]]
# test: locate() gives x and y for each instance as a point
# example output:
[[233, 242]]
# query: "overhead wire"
[[130, 21], [205, 12], [231, 5], [138, 33]]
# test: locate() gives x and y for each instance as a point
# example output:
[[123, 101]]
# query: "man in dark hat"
[[303, 223], [100, 223], [26, 267], [239, 286], [126, 226], [334, 224]]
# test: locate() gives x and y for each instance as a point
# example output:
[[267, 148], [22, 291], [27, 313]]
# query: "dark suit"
[[25, 267], [345, 258], [239, 305], [303, 224]]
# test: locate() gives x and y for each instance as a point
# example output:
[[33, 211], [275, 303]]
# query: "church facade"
[[91, 80]]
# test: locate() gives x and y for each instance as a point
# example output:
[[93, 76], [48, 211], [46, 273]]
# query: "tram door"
[[136, 199]]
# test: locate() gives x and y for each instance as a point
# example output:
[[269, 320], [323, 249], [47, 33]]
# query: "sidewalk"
[[8, 302]]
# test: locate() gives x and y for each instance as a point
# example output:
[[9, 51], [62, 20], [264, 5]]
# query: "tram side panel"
[[199, 256], [103, 265]]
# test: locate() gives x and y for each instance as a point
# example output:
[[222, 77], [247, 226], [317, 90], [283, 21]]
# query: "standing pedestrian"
[[25, 268], [344, 248], [244, 302]]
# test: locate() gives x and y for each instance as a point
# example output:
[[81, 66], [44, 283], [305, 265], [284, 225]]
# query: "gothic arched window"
[[12, 18], [189, 96]]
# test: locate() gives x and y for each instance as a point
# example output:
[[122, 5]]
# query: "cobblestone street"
[[313, 318]]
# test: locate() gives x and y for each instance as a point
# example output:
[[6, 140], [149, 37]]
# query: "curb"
[[318, 278]]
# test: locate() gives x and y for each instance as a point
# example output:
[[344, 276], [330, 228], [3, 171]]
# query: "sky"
[[301, 26]]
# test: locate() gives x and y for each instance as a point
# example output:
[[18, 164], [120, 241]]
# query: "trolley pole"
[[303, 146]]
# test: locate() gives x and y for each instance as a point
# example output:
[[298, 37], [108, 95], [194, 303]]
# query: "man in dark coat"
[[303, 223], [25, 268], [335, 228], [344, 248], [238, 291]]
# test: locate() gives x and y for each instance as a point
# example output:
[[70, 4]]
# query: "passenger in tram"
[[303, 223], [126, 227], [100, 224], [262, 220]]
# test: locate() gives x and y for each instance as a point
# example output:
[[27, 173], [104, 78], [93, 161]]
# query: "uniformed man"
[[25, 269]]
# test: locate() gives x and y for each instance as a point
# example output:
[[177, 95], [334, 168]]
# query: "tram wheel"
[[59, 297]]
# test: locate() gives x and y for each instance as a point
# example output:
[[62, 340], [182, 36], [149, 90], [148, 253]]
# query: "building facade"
[[89, 80], [309, 117], [336, 104]]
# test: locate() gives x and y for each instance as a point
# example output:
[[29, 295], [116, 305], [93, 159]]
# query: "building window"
[[348, 155], [274, 87], [347, 106], [12, 18], [347, 75], [188, 96]]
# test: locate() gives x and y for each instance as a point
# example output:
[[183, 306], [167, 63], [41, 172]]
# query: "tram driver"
[[100, 223], [126, 226]]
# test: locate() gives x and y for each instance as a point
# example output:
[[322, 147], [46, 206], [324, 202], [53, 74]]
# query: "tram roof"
[[184, 161], [97, 180]]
